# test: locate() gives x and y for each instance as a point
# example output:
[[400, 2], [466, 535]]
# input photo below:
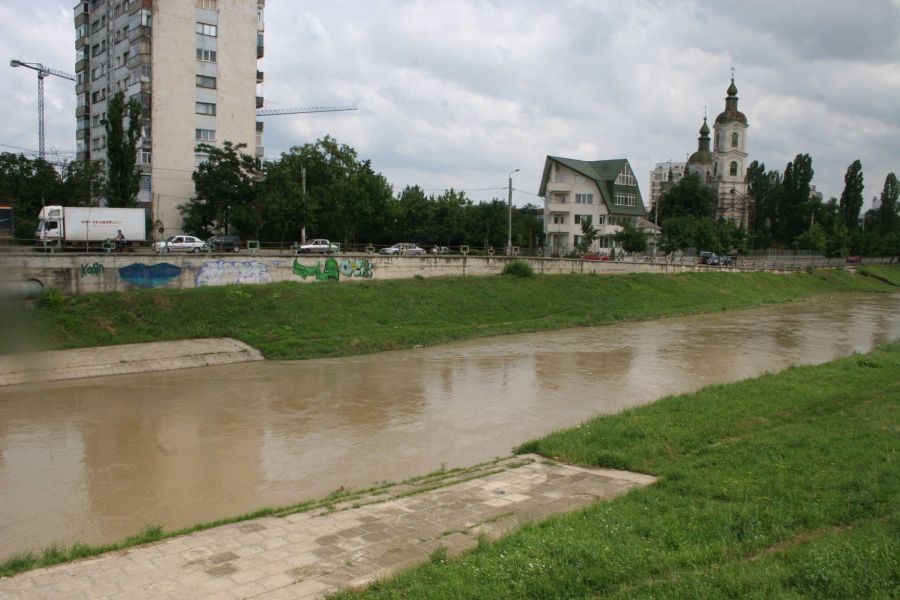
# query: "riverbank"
[[295, 321], [780, 486]]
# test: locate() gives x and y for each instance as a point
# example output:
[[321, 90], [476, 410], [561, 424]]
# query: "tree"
[[227, 198], [123, 180], [688, 197], [83, 182], [793, 202], [589, 235], [28, 184], [631, 238], [886, 218], [814, 238], [852, 196]]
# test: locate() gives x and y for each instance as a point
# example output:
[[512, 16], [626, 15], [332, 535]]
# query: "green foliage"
[[687, 198], [123, 179], [852, 196], [631, 238], [589, 235], [518, 268], [814, 238], [887, 219], [28, 184]]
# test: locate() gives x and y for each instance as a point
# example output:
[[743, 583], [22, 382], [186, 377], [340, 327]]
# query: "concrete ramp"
[[120, 360]]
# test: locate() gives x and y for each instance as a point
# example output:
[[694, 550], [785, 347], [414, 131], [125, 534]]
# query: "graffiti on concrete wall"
[[332, 270], [95, 269], [229, 272], [357, 267], [149, 276]]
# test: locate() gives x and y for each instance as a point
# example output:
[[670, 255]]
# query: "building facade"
[[604, 193], [663, 176], [192, 65], [724, 168]]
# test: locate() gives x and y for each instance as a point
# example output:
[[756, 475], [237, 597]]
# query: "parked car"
[[320, 246], [181, 243], [705, 256], [224, 243], [596, 256], [404, 249], [440, 250], [854, 259]]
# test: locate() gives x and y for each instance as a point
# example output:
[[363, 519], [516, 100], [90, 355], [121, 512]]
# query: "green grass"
[[293, 320], [784, 486], [888, 274]]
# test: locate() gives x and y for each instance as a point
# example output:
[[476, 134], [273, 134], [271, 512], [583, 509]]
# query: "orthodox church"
[[724, 169]]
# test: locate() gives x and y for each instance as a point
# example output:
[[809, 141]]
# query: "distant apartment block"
[[193, 66], [662, 177]]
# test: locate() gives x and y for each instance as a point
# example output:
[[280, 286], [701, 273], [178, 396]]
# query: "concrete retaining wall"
[[74, 274]]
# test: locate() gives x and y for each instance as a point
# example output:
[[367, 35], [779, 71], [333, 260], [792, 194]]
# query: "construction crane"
[[267, 112], [42, 72]]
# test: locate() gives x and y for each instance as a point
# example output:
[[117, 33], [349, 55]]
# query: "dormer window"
[[625, 177]]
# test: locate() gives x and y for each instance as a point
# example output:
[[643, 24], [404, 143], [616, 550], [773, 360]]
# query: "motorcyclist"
[[120, 241]]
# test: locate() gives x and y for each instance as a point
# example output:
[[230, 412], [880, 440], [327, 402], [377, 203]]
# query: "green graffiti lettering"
[[95, 269]]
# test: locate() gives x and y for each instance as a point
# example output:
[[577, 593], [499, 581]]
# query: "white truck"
[[89, 226]]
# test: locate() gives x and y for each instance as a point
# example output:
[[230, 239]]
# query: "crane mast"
[[266, 112], [42, 72]]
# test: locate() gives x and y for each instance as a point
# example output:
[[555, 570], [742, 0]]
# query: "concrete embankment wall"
[[74, 274]]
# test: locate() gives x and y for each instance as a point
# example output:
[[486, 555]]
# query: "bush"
[[519, 268]]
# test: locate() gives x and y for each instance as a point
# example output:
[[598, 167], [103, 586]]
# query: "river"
[[95, 460]]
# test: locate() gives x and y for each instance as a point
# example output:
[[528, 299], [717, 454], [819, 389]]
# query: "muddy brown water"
[[98, 459]]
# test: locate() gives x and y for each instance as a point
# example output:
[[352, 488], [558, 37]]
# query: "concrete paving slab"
[[59, 365], [347, 545]]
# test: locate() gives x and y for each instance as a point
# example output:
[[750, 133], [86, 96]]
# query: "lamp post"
[[509, 218]]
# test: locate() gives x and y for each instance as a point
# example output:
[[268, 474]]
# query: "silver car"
[[404, 249], [181, 243]]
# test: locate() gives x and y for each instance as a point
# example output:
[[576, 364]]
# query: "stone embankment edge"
[[149, 357]]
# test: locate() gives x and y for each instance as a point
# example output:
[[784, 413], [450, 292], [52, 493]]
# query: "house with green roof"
[[603, 192]]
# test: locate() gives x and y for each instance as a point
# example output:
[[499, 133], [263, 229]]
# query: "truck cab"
[[50, 225]]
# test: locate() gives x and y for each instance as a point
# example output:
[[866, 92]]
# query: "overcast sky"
[[461, 92]]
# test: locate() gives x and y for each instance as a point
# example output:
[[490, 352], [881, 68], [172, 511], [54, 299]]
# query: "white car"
[[404, 249], [181, 243], [320, 246]]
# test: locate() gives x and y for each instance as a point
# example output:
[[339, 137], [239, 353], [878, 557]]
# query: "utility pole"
[[303, 215], [509, 219], [42, 72]]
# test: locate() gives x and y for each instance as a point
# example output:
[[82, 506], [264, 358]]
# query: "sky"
[[459, 93]]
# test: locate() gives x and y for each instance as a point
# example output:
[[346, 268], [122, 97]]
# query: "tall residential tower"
[[193, 66]]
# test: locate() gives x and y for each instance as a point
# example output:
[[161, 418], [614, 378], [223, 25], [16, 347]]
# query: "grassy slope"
[[287, 320], [785, 486]]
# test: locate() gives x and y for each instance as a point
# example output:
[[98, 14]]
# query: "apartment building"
[[663, 176], [604, 193], [194, 67]]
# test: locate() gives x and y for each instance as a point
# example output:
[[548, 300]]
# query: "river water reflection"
[[96, 460]]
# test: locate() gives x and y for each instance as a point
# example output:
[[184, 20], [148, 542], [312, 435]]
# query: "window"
[[621, 199], [206, 55], [98, 72], [200, 159], [144, 157], [625, 177], [584, 198], [733, 169], [601, 220], [207, 4], [206, 29], [561, 198], [206, 82], [205, 135], [206, 108], [734, 139], [579, 219], [559, 219], [577, 240]]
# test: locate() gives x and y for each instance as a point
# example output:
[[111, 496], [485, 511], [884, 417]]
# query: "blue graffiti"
[[149, 276]]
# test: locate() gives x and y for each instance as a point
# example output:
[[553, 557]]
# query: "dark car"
[[224, 243]]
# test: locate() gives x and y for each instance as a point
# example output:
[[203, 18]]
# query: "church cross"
[[732, 73]]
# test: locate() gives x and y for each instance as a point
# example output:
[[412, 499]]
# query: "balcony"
[[260, 151], [137, 5], [259, 102], [139, 32], [82, 111], [260, 45], [82, 65], [259, 76], [558, 186], [137, 60]]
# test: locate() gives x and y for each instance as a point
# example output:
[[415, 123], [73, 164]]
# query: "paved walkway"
[[351, 544], [127, 358]]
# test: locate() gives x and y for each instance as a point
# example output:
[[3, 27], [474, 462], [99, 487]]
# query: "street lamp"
[[509, 220]]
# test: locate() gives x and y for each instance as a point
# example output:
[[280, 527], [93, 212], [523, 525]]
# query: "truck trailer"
[[89, 226]]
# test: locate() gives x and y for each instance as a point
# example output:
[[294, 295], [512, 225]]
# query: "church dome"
[[732, 89], [700, 157], [731, 112]]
